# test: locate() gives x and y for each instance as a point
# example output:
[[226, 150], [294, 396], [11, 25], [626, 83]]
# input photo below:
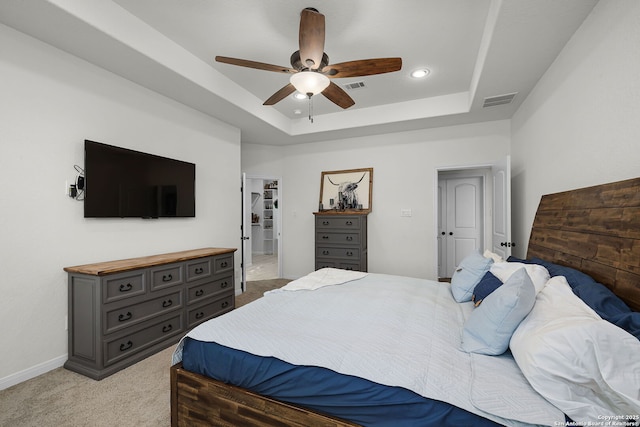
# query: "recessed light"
[[299, 95], [297, 111], [421, 73]]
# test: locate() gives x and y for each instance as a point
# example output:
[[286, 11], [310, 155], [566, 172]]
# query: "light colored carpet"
[[135, 396]]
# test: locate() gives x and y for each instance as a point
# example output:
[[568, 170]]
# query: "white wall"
[[49, 103], [404, 166], [581, 124]]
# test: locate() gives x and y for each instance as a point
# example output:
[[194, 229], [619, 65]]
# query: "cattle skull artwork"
[[347, 195], [346, 190]]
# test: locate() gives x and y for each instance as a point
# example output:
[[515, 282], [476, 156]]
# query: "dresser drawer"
[[206, 290], [206, 311], [167, 276], [199, 269], [122, 317], [333, 263], [123, 285], [329, 237], [338, 222], [149, 333], [223, 264], [337, 252]]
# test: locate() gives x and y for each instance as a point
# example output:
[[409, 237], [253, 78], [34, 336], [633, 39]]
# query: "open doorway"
[[473, 210], [462, 216], [261, 228]]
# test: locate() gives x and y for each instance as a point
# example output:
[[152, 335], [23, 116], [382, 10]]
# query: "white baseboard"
[[32, 372]]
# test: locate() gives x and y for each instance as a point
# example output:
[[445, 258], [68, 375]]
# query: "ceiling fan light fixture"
[[420, 73], [299, 96], [309, 82]]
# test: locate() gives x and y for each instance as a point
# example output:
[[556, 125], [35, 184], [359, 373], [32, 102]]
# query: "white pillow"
[[494, 256], [503, 270], [584, 365]]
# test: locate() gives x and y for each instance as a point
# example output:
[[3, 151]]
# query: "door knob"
[[451, 233], [443, 233]]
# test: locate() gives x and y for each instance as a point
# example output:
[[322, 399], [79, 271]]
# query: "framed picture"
[[346, 190]]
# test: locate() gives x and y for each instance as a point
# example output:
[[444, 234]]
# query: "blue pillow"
[[630, 322], [468, 274], [487, 284], [489, 327]]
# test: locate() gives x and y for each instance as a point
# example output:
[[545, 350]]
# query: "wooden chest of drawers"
[[123, 311], [341, 241]]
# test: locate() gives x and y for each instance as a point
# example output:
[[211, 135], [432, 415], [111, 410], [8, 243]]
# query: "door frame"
[[244, 228], [482, 170]]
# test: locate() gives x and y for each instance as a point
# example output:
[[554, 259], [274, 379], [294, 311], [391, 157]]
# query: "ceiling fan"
[[310, 69]]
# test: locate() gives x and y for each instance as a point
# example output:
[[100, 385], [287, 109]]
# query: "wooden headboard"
[[595, 230]]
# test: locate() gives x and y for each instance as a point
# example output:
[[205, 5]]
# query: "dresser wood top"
[[345, 212], [110, 267]]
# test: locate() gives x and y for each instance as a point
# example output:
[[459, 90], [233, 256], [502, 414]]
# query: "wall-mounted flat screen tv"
[[123, 183]]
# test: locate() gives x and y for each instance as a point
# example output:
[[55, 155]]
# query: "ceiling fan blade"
[[311, 38], [280, 95], [256, 65], [338, 96], [363, 67]]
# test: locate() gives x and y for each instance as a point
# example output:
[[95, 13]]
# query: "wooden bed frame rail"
[[200, 401]]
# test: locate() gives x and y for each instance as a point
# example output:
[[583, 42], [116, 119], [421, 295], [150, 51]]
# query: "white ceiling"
[[474, 49]]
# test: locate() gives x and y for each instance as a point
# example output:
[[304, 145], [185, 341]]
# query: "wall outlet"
[[405, 212]]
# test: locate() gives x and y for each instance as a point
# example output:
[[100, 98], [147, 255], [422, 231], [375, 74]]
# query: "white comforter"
[[392, 330]]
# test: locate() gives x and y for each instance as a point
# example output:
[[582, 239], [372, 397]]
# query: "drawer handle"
[[167, 278], [199, 292], [325, 252], [224, 285], [167, 328], [224, 264], [126, 288], [199, 270], [126, 346], [349, 253], [167, 303], [199, 315], [125, 317], [325, 237], [349, 222], [225, 304], [349, 238], [325, 222]]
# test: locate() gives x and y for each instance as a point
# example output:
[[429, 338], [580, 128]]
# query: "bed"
[[431, 369]]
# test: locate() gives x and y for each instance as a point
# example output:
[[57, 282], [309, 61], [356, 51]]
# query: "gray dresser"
[[123, 311], [341, 240]]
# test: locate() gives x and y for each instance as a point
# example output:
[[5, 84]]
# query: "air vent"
[[354, 85], [492, 101]]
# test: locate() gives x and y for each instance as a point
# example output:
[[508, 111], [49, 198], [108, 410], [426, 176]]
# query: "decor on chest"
[[346, 190]]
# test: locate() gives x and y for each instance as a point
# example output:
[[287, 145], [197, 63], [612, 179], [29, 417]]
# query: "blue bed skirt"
[[323, 390]]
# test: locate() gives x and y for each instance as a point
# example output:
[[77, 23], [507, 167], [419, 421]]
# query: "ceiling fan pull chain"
[[310, 109]]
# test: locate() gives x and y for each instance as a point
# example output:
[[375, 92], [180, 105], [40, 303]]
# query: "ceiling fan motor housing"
[[296, 62]]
